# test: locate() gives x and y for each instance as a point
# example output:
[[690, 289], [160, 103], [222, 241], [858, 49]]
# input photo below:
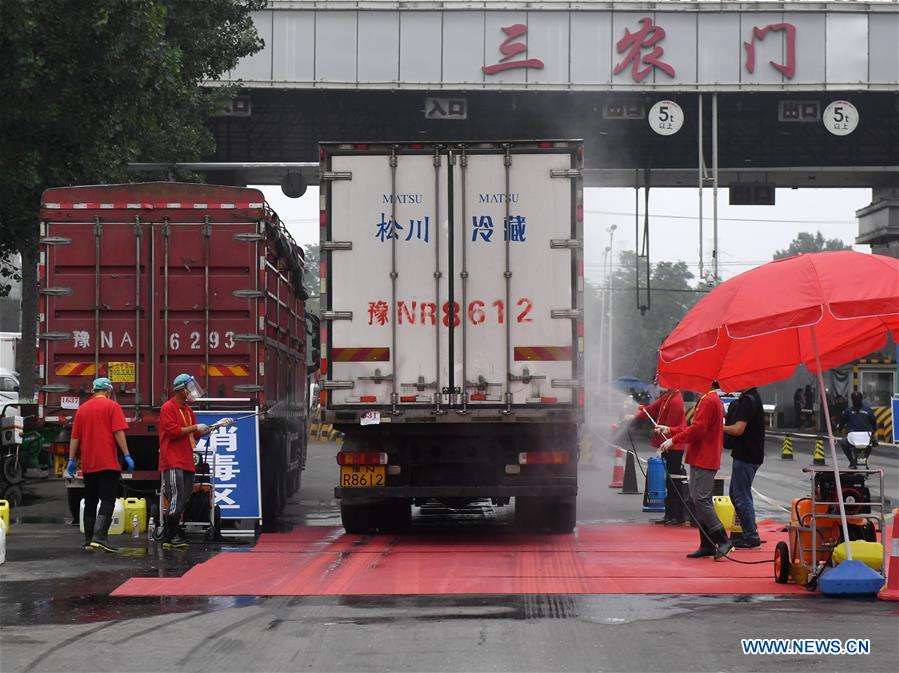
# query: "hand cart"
[[201, 512], [815, 530]]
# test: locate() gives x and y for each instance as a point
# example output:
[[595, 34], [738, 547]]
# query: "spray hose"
[[680, 497]]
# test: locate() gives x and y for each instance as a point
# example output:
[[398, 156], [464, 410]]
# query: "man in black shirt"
[[744, 436]]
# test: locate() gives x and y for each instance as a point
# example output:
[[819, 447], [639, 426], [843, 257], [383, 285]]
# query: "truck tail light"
[[348, 458], [478, 397], [322, 218], [361, 147], [544, 145], [549, 400], [544, 458], [368, 398], [408, 398]]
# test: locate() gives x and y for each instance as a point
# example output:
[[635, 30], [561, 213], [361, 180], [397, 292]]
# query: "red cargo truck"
[[142, 282]]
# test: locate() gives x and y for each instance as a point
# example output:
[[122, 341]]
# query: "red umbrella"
[[820, 310], [758, 327]]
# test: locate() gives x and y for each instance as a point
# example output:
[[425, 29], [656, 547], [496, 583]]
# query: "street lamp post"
[[611, 231]]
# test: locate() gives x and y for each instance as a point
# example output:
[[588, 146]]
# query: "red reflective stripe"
[[542, 353], [368, 354], [549, 400], [408, 398], [479, 397], [368, 398]]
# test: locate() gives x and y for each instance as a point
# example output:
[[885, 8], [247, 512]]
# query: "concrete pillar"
[[878, 223]]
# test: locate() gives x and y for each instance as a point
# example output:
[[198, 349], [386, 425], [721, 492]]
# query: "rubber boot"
[[724, 545], [706, 548], [100, 540], [89, 524]]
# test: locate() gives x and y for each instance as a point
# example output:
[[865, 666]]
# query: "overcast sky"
[[747, 235]]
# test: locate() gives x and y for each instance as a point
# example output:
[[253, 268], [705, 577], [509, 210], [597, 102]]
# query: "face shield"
[[194, 390], [189, 384]]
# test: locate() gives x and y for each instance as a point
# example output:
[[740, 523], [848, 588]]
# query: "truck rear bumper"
[[380, 493]]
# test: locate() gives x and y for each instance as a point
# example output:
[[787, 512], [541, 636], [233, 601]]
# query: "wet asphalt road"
[[56, 614]]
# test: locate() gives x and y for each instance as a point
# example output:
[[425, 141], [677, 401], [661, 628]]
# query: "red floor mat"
[[596, 559]]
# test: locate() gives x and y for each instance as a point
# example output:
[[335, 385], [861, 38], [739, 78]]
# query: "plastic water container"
[[724, 508], [869, 553], [135, 506], [4, 512], [654, 493], [117, 527], [2, 541]]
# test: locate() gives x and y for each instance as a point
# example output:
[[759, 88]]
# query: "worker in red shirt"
[[98, 428], [178, 433], [668, 410], [704, 438]]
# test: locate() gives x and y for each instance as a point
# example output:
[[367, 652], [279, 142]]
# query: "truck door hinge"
[[335, 175]]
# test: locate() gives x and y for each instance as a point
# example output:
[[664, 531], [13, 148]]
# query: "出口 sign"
[[674, 46]]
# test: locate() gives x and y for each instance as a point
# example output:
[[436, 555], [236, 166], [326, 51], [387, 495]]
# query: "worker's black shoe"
[[747, 544], [87, 546], [675, 522], [662, 522], [702, 552]]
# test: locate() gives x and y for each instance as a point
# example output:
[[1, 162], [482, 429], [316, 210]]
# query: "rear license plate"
[[362, 476]]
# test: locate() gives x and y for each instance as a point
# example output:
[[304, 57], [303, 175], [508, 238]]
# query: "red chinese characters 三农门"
[[510, 48], [789, 68]]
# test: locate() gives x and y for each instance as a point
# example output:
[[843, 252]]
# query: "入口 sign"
[[446, 108]]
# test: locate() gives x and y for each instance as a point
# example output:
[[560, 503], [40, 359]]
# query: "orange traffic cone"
[[891, 591], [618, 472]]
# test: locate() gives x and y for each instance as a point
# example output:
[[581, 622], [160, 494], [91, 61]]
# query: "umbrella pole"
[[833, 447]]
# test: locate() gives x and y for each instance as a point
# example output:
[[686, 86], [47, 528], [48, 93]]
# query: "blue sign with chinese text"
[[236, 463]]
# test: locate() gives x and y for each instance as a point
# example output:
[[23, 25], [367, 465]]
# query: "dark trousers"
[[741, 476], [850, 451], [674, 465], [102, 487]]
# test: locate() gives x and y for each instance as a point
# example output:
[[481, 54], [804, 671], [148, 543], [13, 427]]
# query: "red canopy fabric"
[[756, 328]]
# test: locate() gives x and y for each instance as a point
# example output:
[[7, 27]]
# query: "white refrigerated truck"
[[452, 326]]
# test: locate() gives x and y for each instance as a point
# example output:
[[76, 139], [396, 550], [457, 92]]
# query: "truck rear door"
[[451, 276]]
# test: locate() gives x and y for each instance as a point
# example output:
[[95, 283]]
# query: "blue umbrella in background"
[[625, 383]]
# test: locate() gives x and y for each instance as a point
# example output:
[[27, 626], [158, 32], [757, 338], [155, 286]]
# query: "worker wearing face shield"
[[178, 434]]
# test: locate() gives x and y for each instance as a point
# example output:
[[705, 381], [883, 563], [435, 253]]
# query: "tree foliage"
[[311, 278], [636, 338], [805, 243], [90, 86]]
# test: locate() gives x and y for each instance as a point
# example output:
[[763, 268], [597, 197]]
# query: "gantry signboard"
[[665, 46]]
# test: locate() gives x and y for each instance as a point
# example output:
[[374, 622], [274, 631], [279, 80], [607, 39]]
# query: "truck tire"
[[395, 516], [562, 515], [529, 513], [357, 519]]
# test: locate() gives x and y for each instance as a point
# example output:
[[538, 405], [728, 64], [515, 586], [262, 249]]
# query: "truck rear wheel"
[[395, 516], [357, 519], [529, 513], [562, 515]]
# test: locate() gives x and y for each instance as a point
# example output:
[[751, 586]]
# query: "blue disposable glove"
[[71, 467], [129, 461]]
